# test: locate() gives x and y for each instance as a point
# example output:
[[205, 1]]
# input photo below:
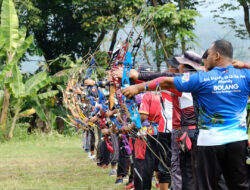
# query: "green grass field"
[[50, 162]]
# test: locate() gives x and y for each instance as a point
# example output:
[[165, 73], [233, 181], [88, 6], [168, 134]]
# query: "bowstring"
[[155, 154], [148, 21]]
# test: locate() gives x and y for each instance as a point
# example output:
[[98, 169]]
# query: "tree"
[[242, 30], [100, 17], [28, 92], [169, 26], [13, 45]]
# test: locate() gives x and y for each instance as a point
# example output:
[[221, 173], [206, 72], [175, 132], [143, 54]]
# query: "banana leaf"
[[9, 25], [16, 85], [35, 83], [48, 94]]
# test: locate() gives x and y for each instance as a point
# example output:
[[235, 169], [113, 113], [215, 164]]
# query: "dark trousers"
[[98, 146], [229, 160], [92, 140], [115, 145], [137, 170], [186, 171], [132, 160], [131, 174], [104, 154], [187, 163], [150, 163], [191, 158], [123, 160], [165, 155], [138, 174]]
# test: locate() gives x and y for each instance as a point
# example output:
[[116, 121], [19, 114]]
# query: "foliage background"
[[65, 31]]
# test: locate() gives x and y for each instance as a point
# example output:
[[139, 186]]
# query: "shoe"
[[153, 179], [157, 185], [129, 186], [86, 150], [92, 157], [104, 166], [125, 178], [98, 164], [119, 181], [89, 154], [112, 172]]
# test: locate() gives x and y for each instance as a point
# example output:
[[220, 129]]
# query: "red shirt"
[[151, 106], [165, 124], [183, 110]]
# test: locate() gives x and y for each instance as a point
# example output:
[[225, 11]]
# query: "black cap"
[[145, 68], [173, 62]]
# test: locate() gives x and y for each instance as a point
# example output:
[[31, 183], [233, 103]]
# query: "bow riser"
[[133, 110]]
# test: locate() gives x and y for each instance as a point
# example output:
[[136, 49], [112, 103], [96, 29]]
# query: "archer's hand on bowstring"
[[105, 131], [125, 129], [110, 113], [77, 91], [131, 91], [114, 129], [116, 74], [89, 82], [133, 74], [94, 119], [85, 120], [124, 110]]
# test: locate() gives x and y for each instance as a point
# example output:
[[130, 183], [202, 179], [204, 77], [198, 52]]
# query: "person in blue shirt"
[[222, 97]]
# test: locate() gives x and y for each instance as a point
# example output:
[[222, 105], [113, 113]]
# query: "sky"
[[206, 29]]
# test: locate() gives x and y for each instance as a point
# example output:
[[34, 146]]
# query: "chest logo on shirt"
[[185, 78]]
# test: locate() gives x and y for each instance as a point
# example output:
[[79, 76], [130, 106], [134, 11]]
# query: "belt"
[[191, 127]]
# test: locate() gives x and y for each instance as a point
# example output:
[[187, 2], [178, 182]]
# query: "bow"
[[133, 110]]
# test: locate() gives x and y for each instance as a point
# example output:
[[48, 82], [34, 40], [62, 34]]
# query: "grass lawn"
[[50, 162]]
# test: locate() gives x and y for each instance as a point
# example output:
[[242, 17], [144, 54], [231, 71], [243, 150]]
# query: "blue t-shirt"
[[222, 96]]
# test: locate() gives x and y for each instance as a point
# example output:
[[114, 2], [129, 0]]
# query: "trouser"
[[165, 156], [92, 140], [188, 165], [187, 162], [132, 160], [84, 139], [115, 145], [186, 171], [88, 137], [138, 174], [229, 159], [131, 175], [138, 170], [123, 160], [222, 184], [150, 162], [98, 144], [175, 163], [104, 154]]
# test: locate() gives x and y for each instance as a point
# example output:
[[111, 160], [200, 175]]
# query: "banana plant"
[[28, 91], [13, 45]]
